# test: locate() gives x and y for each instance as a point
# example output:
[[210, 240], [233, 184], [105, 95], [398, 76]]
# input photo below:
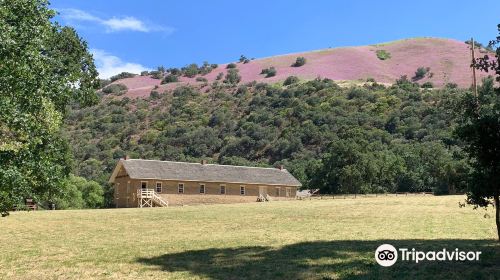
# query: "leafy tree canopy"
[[43, 67], [479, 129]]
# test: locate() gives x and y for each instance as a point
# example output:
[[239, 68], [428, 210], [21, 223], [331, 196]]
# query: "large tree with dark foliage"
[[479, 128], [43, 67]]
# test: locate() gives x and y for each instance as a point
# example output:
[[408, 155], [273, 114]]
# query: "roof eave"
[[115, 172], [210, 181]]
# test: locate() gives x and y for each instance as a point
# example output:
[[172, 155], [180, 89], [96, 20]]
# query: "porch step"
[[149, 198]]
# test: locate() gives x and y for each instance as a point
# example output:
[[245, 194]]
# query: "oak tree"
[[479, 129], [43, 68]]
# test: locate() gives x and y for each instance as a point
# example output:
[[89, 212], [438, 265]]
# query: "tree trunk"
[[497, 214]]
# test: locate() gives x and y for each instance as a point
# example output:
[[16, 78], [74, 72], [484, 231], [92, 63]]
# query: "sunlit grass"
[[329, 238]]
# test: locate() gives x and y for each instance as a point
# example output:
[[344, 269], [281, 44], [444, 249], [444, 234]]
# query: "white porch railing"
[[149, 198]]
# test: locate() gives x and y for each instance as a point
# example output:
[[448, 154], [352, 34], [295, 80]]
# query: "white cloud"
[[114, 24], [130, 23], [75, 14], [109, 65]]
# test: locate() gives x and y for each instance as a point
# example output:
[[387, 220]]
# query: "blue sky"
[[137, 35]]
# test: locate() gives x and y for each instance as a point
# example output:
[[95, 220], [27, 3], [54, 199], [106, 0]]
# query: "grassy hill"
[[448, 62], [318, 239], [401, 133]]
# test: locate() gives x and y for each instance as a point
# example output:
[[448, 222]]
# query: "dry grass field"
[[311, 239]]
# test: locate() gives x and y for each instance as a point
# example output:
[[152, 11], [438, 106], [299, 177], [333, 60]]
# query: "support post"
[[474, 80]]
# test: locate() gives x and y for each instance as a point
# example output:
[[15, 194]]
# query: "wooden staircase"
[[149, 198], [263, 198]]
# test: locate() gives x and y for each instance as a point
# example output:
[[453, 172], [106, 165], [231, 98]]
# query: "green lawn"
[[312, 239]]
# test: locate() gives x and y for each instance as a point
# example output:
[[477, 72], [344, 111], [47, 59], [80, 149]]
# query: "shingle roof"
[[184, 171]]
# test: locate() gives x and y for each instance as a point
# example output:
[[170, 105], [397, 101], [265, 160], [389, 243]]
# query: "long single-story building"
[[183, 183]]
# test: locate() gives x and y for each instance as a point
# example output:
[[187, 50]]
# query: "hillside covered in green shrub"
[[360, 139]]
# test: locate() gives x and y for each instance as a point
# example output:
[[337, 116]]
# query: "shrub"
[[290, 80], [451, 86], [261, 86], [420, 73], [406, 84], [191, 70], [117, 89], [242, 90], [185, 91], [299, 61], [272, 72], [154, 94], [269, 72], [403, 80], [383, 54], [170, 78], [231, 66], [144, 73], [76, 193], [371, 80], [206, 68], [219, 76], [174, 71], [232, 77], [214, 65], [427, 85], [122, 75], [201, 79], [244, 59], [156, 74]]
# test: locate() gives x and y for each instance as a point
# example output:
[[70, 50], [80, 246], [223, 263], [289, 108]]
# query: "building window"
[[222, 189], [242, 190], [158, 187], [180, 188], [288, 192], [144, 185], [278, 191], [202, 188]]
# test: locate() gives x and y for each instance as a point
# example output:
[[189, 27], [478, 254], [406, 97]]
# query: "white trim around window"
[[203, 189], [222, 189], [243, 190], [159, 187], [144, 185], [180, 188]]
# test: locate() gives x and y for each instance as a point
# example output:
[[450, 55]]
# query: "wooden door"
[[262, 190]]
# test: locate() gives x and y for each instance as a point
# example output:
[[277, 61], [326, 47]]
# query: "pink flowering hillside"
[[447, 61]]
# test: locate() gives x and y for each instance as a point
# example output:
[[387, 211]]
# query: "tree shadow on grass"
[[331, 260]]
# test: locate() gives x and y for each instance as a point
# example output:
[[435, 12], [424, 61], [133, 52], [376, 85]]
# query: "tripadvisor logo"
[[387, 255]]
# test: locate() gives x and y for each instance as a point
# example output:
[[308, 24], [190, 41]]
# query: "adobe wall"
[[126, 192]]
